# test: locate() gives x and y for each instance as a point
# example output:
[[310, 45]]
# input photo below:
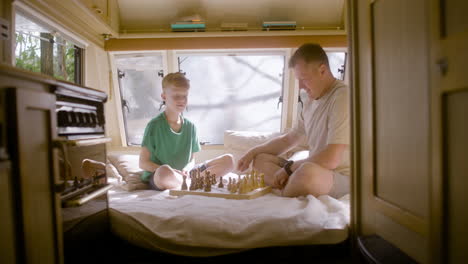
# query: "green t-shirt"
[[168, 147]]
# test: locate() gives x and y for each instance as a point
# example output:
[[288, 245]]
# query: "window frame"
[[117, 91], [170, 64], [36, 17]]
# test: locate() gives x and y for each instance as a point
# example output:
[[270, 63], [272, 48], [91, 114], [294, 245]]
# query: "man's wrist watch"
[[287, 167]]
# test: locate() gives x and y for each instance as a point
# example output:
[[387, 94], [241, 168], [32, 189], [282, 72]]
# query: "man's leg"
[[268, 165], [221, 165], [309, 178], [166, 178]]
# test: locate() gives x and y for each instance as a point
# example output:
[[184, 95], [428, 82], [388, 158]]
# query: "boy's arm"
[[145, 161]]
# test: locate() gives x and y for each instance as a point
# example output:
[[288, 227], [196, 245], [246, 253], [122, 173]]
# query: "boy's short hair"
[[309, 52], [176, 79]]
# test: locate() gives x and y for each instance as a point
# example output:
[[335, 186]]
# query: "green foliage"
[[28, 52], [28, 56]]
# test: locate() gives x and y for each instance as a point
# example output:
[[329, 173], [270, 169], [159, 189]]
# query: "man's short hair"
[[309, 52], [176, 79]]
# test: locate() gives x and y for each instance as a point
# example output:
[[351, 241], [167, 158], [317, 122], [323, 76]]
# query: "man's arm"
[[328, 158], [145, 161], [278, 145], [275, 146]]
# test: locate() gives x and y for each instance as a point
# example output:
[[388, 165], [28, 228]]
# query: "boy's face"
[[175, 97], [310, 76]]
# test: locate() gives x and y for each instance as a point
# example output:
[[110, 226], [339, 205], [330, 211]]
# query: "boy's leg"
[[268, 165], [166, 178], [221, 165], [309, 178]]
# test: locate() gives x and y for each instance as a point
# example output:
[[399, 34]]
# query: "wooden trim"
[[236, 42], [402, 217], [437, 241]]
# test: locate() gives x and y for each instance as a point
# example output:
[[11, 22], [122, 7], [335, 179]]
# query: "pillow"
[[127, 166], [244, 140], [238, 143]]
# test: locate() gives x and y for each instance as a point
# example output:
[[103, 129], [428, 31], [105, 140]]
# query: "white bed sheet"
[[205, 226]]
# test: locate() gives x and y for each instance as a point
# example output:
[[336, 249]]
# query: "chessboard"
[[248, 186]]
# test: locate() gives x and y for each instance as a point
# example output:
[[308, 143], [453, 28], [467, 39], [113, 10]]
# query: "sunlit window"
[[235, 91], [38, 48], [239, 90], [140, 77]]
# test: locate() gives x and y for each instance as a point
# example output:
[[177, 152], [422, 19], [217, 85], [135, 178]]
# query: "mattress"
[[194, 225]]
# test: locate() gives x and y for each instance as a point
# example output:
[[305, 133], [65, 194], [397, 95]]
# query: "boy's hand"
[[245, 161]]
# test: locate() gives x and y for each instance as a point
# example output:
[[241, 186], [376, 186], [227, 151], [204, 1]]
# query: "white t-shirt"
[[326, 121]]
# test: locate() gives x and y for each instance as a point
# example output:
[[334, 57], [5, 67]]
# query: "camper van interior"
[[80, 80]]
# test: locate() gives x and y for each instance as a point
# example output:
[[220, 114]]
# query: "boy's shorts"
[[152, 184]]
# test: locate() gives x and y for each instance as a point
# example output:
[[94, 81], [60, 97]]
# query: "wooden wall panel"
[[401, 104]]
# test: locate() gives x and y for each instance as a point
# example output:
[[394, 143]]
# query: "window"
[[239, 90], [39, 48], [337, 61], [140, 77], [235, 91]]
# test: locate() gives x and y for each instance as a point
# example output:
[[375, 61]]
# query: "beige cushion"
[[238, 143], [127, 166]]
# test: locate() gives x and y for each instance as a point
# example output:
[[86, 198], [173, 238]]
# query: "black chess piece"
[[221, 185], [184, 183]]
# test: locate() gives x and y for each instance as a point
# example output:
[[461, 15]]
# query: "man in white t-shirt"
[[324, 125]]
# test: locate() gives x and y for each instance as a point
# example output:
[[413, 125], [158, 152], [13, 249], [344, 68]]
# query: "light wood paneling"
[[401, 104], [240, 42]]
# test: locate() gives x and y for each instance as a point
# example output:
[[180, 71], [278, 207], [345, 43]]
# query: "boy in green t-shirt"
[[171, 139]]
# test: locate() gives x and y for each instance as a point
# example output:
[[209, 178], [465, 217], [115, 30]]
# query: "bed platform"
[[200, 226]]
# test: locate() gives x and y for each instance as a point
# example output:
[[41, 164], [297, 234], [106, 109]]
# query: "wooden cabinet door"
[[32, 122], [452, 58], [392, 115]]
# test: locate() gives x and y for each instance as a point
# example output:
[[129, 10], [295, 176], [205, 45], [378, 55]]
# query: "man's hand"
[[280, 179], [245, 161]]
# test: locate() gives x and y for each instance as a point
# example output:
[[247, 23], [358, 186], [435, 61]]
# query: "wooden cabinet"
[[407, 190], [31, 128]]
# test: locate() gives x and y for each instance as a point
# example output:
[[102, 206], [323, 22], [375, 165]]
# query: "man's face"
[[310, 77], [175, 97]]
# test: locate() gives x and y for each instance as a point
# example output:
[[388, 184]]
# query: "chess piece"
[[192, 183], [213, 179], [220, 185], [184, 183], [208, 177], [207, 184], [229, 186], [262, 180]]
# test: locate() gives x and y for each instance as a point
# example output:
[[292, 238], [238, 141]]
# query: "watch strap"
[[287, 167]]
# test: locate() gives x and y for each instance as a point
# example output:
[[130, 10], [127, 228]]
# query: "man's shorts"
[[341, 183]]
